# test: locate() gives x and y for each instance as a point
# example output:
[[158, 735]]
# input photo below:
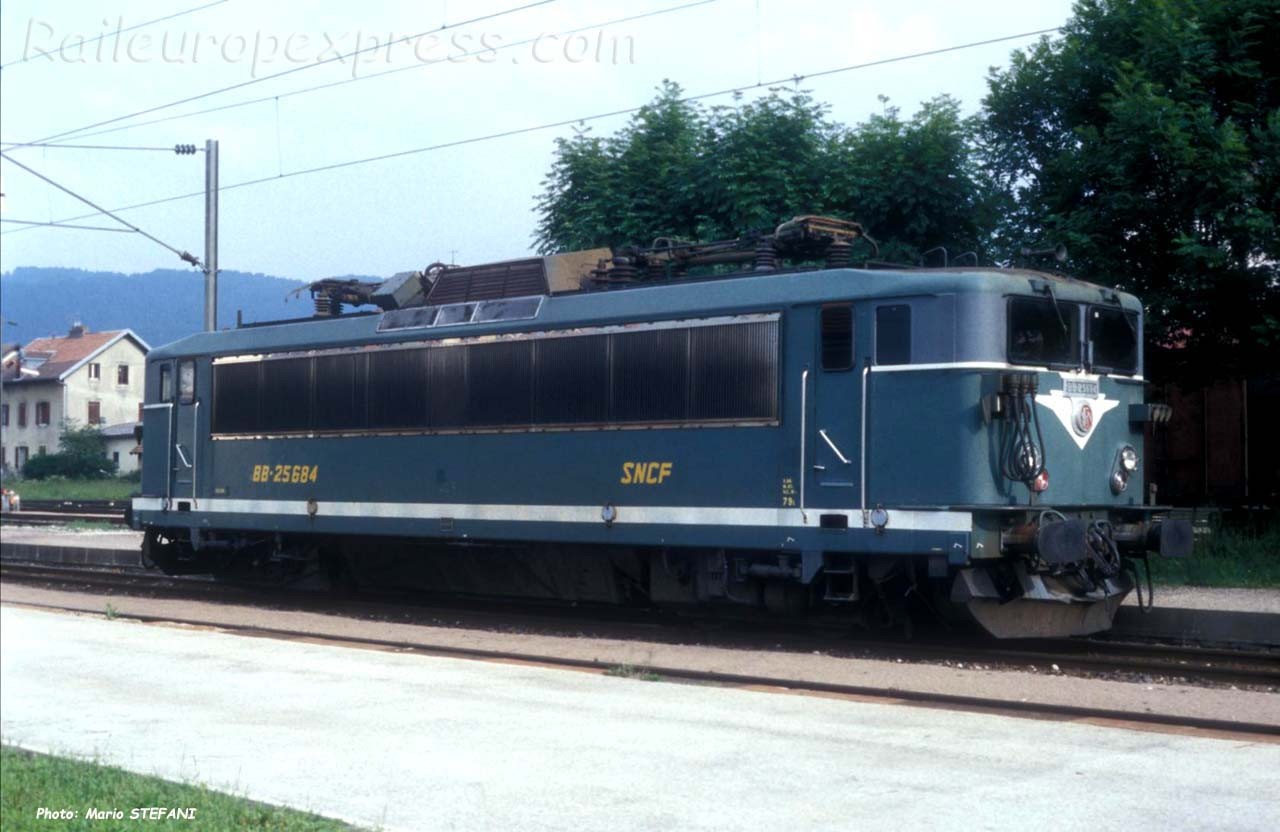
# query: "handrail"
[[804, 419], [866, 370], [832, 446], [195, 452]]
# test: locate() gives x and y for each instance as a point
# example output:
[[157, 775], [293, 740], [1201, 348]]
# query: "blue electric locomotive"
[[604, 426]]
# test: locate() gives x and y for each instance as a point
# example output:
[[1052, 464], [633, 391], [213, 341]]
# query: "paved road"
[[419, 743]]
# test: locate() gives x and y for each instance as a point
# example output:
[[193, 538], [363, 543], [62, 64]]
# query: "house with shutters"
[[84, 378]]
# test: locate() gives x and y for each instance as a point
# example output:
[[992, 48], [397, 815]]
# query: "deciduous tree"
[[1147, 139]]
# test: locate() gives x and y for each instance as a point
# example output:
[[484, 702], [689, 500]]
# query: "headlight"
[[1119, 482], [1128, 459]]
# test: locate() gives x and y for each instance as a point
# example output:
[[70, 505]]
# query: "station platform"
[[398, 741], [117, 547]]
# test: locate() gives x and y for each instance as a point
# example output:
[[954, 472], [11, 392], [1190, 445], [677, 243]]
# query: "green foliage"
[[61, 488], [83, 455], [629, 671], [679, 170], [29, 781], [762, 162], [1147, 139], [1225, 557], [915, 184]]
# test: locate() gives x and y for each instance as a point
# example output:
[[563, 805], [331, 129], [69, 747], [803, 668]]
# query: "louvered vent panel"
[[518, 278]]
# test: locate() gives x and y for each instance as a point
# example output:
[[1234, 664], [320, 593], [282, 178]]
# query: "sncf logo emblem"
[[1083, 422], [1079, 406]]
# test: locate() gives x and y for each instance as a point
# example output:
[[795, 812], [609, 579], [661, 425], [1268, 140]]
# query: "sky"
[[468, 203]]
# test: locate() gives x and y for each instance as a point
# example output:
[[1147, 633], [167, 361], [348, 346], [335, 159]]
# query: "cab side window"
[[186, 382], [893, 334], [166, 382]]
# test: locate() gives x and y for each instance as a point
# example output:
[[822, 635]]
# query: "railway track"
[[75, 506], [758, 682], [62, 512], [1258, 668], [59, 518]]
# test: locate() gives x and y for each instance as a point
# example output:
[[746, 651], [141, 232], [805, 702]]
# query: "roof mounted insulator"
[[839, 254], [766, 256]]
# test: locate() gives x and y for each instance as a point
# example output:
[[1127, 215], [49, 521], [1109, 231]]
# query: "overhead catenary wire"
[[81, 44], [169, 149], [329, 85], [182, 255], [291, 70], [67, 225], [566, 122]]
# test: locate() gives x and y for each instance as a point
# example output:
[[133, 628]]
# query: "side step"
[[841, 573]]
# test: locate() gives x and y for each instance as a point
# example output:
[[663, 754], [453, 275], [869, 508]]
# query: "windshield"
[[1042, 335], [1113, 334]]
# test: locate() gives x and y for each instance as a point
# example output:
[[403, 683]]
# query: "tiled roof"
[[122, 429], [60, 354]]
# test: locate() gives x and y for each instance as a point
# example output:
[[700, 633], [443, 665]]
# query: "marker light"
[[1128, 459], [1041, 483]]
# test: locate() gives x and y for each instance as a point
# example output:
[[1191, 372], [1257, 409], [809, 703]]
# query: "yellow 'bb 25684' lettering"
[[294, 474], [645, 473]]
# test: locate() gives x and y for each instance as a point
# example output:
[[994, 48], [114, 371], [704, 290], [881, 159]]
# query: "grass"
[[60, 488], [70, 525], [29, 781], [1225, 558], [627, 671]]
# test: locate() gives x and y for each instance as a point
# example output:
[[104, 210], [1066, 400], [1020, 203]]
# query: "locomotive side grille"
[[571, 380], [500, 384], [339, 392], [398, 389], [448, 373], [664, 375], [837, 337], [287, 388], [650, 376], [235, 398], [731, 373]]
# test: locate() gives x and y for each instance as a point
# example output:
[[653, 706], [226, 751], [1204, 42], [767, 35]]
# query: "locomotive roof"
[[678, 299]]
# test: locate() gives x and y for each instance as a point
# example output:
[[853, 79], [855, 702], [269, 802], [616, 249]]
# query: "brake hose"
[[1022, 457]]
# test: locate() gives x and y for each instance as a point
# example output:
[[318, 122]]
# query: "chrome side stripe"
[[939, 521], [990, 365]]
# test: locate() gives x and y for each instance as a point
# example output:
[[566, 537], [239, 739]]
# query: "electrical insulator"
[[184, 149]]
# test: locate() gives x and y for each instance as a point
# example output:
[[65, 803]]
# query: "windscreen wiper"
[[1061, 320]]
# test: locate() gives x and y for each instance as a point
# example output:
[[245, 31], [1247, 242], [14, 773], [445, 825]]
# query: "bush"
[[83, 455]]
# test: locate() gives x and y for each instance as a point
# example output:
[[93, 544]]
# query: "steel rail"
[[86, 506], [1066, 656], [27, 517], [1033, 710]]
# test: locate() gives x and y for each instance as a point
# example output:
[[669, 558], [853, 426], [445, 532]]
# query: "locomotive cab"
[[1019, 399]]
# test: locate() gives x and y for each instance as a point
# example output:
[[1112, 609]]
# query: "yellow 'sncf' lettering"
[[645, 473]]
